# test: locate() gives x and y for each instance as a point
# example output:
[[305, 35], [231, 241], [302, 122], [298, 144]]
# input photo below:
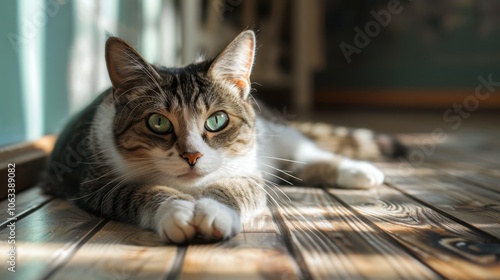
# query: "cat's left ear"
[[234, 64], [126, 67]]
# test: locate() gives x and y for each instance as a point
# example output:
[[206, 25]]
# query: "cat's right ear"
[[126, 67], [234, 64]]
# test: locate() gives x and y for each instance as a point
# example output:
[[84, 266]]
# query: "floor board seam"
[[60, 261], [384, 234], [489, 237], [176, 270], [285, 235], [472, 182], [25, 213]]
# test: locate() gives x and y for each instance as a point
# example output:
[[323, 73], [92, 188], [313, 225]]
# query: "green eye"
[[217, 121], [159, 124]]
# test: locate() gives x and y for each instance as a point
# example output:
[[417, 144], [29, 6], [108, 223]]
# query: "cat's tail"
[[358, 143], [390, 146]]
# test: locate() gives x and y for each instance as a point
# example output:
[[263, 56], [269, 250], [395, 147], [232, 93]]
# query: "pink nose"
[[191, 158]]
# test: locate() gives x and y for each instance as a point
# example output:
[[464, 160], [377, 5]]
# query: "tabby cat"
[[183, 151]]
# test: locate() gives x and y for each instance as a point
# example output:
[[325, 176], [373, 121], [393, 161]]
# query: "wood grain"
[[471, 148], [442, 220], [29, 159], [24, 152], [449, 248], [26, 202], [262, 222], [458, 151], [246, 256], [473, 205], [120, 251], [336, 244], [487, 181], [45, 238], [394, 98]]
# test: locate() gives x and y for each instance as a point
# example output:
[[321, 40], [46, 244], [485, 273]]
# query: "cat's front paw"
[[358, 174], [216, 221], [174, 221]]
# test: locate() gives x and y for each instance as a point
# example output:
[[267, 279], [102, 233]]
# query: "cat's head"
[[184, 126]]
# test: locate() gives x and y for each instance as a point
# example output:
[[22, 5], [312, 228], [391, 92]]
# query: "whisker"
[[282, 171], [283, 159], [256, 103], [276, 176], [271, 184]]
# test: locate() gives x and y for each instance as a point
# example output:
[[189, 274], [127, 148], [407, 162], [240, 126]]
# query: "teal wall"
[[57, 46], [53, 38], [11, 111], [441, 46]]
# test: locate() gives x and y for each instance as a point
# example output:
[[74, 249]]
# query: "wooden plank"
[[485, 177], [336, 244], [404, 168], [394, 98], [477, 148], [29, 159], [474, 150], [458, 165], [262, 222], [459, 151], [246, 256], [45, 238], [449, 159], [473, 205], [26, 201], [120, 251], [449, 248], [486, 181], [302, 87], [22, 152]]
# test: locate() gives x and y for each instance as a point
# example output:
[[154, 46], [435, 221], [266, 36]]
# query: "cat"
[[185, 151]]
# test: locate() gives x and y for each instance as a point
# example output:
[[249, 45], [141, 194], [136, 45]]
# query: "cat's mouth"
[[192, 174]]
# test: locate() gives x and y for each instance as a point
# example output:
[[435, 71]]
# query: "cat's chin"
[[192, 175], [192, 178]]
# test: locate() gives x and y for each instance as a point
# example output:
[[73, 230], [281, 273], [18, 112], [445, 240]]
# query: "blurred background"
[[313, 56]]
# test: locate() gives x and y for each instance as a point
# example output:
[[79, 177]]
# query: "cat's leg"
[[342, 172], [173, 220], [167, 211], [222, 206], [215, 211], [314, 165]]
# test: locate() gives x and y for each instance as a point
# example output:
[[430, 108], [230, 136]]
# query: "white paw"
[[358, 174], [216, 221], [174, 221]]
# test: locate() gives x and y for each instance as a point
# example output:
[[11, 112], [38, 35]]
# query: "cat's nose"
[[191, 158]]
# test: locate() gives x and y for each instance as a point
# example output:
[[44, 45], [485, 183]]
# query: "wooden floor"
[[437, 216]]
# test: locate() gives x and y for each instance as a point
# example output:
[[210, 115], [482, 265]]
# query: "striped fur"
[[358, 143], [109, 160]]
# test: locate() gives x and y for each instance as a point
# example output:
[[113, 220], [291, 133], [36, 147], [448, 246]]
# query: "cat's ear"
[[126, 67], [234, 64]]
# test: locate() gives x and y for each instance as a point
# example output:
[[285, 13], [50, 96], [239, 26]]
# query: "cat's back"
[[71, 152]]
